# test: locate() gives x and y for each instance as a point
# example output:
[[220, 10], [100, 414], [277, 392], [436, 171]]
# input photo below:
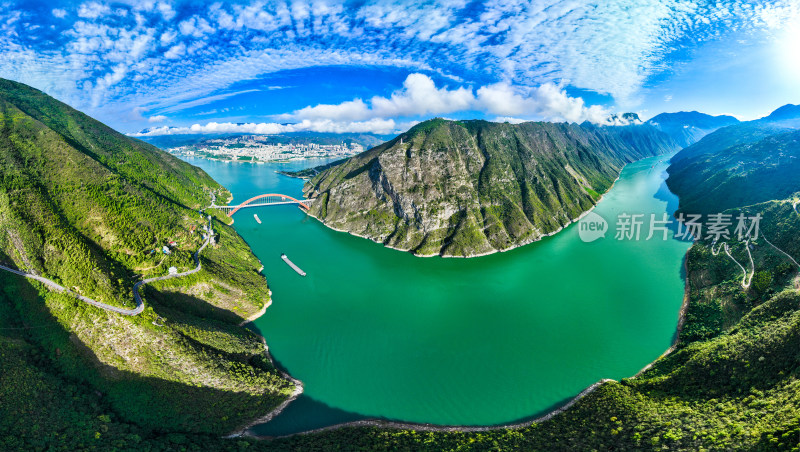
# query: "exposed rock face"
[[465, 188]]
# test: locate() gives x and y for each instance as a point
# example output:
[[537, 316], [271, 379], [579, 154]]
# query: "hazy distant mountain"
[[463, 188], [688, 127], [781, 120], [788, 111]]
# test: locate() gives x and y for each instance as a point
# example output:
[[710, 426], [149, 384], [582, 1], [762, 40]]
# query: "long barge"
[[291, 264]]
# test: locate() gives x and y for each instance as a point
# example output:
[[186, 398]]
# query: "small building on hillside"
[[173, 270], [165, 249]]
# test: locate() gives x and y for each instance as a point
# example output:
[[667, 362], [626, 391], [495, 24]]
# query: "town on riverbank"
[[264, 148]]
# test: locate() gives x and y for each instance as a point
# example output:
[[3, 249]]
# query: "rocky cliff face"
[[465, 188]]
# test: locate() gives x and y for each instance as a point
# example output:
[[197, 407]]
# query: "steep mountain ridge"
[[788, 111], [783, 119], [739, 175], [465, 188]]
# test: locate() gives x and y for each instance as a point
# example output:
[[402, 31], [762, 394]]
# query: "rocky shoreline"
[[518, 245]]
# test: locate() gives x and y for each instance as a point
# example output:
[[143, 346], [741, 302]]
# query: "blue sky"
[[271, 67]]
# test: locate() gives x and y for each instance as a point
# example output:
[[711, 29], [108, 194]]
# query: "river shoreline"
[[447, 428], [298, 385], [446, 256], [246, 430], [258, 314], [681, 317]]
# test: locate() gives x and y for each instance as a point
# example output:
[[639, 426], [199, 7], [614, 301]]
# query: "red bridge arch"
[[268, 195]]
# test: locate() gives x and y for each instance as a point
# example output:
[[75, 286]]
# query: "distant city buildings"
[[262, 148]]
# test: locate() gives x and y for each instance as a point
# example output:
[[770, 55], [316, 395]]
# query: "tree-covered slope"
[[688, 127], [464, 188], [91, 209], [744, 164], [740, 175], [784, 119]]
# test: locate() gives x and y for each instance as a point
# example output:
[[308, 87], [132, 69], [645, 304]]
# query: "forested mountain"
[[92, 209], [744, 164], [464, 188], [687, 127]]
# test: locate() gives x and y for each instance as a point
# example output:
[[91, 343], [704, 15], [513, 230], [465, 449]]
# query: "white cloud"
[[157, 118], [166, 10], [509, 119], [196, 27], [93, 10], [348, 111], [380, 126], [175, 51], [420, 97], [168, 37], [206, 100], [60, 13]]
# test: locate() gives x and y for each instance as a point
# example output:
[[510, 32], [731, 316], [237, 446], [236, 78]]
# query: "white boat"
[[258, 220]]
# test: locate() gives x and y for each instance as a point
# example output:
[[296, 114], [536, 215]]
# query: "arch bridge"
[[267, 199]]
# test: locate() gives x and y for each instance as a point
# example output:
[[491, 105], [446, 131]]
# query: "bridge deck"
[[272, 199]]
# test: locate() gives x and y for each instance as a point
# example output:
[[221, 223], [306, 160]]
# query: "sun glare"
[[788, 59]]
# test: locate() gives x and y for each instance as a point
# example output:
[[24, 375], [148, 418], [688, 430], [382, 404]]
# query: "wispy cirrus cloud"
[[109, 58], [205, 100]]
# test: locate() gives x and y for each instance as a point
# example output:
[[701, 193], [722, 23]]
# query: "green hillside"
[[91, 209], [739, 175], [732, 383]]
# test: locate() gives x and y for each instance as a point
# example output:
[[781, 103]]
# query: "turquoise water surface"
[[374, 332]]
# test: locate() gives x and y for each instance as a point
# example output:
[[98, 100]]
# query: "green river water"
[[374, 332]]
